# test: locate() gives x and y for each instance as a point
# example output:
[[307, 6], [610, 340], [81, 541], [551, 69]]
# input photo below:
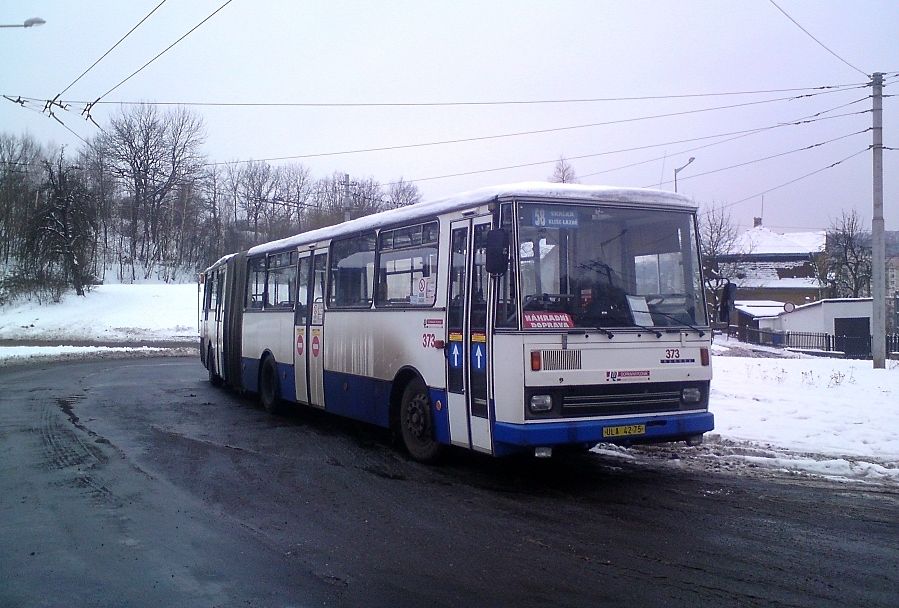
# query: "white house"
[[837, 316]]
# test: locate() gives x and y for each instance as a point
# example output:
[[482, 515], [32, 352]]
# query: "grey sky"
[[423, 51]]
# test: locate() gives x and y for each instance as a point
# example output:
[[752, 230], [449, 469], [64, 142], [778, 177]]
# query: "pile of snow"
[[108, 313], [18, 354]]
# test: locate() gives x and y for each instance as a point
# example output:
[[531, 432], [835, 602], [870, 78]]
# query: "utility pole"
[[346, 197], [878, 272]]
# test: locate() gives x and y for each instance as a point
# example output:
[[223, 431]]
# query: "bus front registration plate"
[[624, 431]]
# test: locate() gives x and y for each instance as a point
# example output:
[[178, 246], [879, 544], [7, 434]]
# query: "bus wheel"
[[416, 423], [214, 378], [269, 389]]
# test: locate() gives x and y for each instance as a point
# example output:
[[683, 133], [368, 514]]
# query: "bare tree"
[[848, 257], [402, 194], [21, 171], [718, 242], [61, 237], [563, 172], [152, 154]]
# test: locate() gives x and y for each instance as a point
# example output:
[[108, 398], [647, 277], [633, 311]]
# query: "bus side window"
[[406, 257], [352, 272], [256, 283], [507, 294], [281, 276], [302, 291], [480, 279]]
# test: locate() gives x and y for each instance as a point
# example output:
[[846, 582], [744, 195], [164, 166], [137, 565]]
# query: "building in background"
[[770, 266]]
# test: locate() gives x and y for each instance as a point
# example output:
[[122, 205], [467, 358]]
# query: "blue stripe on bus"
[[510, 438], [358, 397]]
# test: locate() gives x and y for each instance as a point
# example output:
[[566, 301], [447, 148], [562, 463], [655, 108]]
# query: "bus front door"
[[309, 330], [468, 357]]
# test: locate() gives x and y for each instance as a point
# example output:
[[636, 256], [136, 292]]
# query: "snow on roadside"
[[108, 313]]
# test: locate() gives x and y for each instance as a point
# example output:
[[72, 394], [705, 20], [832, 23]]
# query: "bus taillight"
[[536, 362], [704, 356]]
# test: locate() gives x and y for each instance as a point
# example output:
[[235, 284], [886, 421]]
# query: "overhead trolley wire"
[[161, 53], [793, 181], [523, 133], [112, 48], [758, 160], [465, 103], [824, 46]]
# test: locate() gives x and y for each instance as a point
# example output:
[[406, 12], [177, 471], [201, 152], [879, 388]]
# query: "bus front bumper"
[[509, 438]]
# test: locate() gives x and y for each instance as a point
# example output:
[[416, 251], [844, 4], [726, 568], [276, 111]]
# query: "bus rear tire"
[[269, 387], [214, 378], [417, 423]]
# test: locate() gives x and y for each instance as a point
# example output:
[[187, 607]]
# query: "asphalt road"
[[135, 483]]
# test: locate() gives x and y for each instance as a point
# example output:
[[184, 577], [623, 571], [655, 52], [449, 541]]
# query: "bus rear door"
[[309, 328]]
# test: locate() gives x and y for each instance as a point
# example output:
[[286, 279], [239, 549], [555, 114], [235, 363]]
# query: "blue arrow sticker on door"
[[479, 357], [456, 355]]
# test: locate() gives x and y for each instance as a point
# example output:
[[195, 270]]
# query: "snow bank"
[[109, 313]]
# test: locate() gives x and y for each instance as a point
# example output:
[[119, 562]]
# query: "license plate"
[[624, 431]]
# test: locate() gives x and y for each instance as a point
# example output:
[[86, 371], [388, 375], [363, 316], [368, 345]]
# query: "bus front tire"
[[417, 423], [269, 387]]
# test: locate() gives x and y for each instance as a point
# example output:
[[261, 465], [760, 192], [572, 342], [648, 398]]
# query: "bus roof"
[[460, 202]]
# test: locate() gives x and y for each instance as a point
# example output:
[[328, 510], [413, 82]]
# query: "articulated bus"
[[517, 318]]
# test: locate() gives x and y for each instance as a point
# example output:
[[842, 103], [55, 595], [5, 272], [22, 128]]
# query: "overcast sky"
[[483, 51]]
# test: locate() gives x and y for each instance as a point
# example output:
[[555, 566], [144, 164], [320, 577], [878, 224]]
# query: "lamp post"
[[27, 23], [679, 169]]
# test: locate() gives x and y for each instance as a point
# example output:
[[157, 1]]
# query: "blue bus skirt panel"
[[440, 415], [358, 397], [249, 372], [510, 438], [287, 382]]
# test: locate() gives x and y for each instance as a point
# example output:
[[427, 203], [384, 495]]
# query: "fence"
[[850, 346]]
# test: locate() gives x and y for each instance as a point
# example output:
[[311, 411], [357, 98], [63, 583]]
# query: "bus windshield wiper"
[[673, 318], [650, 329]]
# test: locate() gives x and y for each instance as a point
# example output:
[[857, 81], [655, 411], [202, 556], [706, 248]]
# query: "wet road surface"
[[135, 483]]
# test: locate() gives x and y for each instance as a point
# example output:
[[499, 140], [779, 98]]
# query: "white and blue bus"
[[522, 317]]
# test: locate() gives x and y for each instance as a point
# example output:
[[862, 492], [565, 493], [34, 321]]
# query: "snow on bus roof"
[[541, 190]]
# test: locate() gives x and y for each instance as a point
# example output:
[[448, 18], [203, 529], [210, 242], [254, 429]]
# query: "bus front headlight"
[[541, 403], [691, 395]]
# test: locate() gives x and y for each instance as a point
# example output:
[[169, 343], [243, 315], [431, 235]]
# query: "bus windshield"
[[601, 267]]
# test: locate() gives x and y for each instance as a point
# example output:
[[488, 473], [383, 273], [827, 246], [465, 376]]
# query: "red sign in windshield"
[[544, 320]]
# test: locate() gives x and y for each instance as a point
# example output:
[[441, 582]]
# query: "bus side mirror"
[[726, 302], [497, 251]]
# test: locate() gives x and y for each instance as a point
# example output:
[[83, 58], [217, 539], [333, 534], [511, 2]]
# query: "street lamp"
[[679, 169], [28, 23]]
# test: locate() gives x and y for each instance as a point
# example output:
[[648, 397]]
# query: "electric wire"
[[793, 181], [165, 50], [71, 84], [773, 156], [524, 133], [461, 103], [738, 135], [808, 119], [824, 46]]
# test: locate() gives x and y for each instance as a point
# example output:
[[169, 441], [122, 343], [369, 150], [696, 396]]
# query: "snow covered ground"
[[108, 313], [774, 411]]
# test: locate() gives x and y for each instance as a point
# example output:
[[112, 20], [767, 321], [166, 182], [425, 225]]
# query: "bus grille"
[[583, 401], [629, 403], [554, 360]]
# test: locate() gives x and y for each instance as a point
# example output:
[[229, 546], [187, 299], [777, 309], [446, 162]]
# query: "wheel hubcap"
[[415, 421]]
